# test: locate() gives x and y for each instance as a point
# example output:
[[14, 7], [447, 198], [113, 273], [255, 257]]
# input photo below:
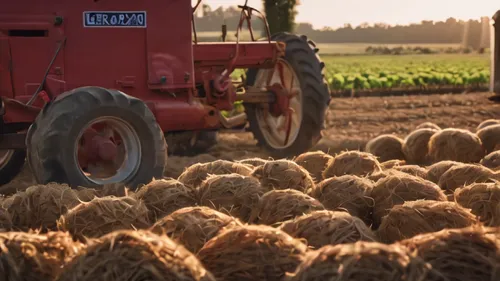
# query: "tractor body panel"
[[143, 48]]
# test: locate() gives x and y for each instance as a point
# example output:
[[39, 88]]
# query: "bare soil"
[[350, 123]]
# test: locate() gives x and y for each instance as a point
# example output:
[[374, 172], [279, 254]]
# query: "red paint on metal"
[[158, 64]]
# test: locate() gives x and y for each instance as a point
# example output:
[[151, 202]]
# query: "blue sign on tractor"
[[114, 19]]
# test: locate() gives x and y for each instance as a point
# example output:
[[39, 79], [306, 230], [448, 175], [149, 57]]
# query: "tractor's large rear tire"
[[53, 138], [301, 55]]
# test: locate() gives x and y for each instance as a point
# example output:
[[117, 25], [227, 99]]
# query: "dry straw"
[[32, 256], [392, 163], [483, 199], [194, 175], [487, 123], [456, 145], [350, 193], [104, 215], [165, 196], [232, 194], [463, 175], [254, 162], [383, 174], [428, 125], [40, 206], [314, 162], [490, 137], [86, 194], [396, 189], [423, 216], [322, 228], [413, 170], [436, 170], [459, 254], [492, 161], [283, 174], [194, 226], [386, 147], [135, 256], [363, 261], [5, 220], [277, 206], [352, 163], [252, 253], [416, 146]]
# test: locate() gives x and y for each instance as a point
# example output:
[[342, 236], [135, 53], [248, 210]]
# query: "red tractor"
[[90, 88]]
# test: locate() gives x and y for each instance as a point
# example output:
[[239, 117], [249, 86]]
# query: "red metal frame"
[[185, 83]]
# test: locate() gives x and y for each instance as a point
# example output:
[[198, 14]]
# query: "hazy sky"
[[335, 13]]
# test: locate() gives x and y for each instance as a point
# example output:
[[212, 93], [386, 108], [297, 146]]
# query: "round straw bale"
[[116, 189], [490, 137], [31, 256], [164, 196], [254, 162], [253, 253], [428, 125], [283, 174], [413, 170], [233, 194], [436, 170], [483, 199], [194, 226], [465, 174], [383, 174], [492, 161], [314, 162], [386, 147], [321, 228], [277, 206], [396, 189], [459, 254], [86, 194], [352, 163], [422, 216], [392, 163], [194, 175], [487, 123], [39, 206], [135, 255], [348, 192], [416, 146], [104, 215], [363, 261], [456, 145]]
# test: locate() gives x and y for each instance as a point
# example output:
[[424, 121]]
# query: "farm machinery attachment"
[[92, 94], [495, 58]]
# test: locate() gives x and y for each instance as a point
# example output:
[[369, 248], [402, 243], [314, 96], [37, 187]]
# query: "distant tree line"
[[450, 31]]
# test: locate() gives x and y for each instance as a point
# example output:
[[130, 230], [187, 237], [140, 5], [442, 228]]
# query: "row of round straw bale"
[[283, 208], [300, 227], [249, 252], [428, 144], [267, 198]]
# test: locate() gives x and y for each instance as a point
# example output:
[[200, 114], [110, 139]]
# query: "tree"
[[280, 15]]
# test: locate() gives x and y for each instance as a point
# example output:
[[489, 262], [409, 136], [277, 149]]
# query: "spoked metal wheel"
[[292, 123], [280, 122], [108, 150]]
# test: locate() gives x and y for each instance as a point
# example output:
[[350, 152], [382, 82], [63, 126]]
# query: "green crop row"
[[376, 72]]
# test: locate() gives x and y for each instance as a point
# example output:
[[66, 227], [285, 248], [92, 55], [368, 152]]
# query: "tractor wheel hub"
[[282, 100]]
